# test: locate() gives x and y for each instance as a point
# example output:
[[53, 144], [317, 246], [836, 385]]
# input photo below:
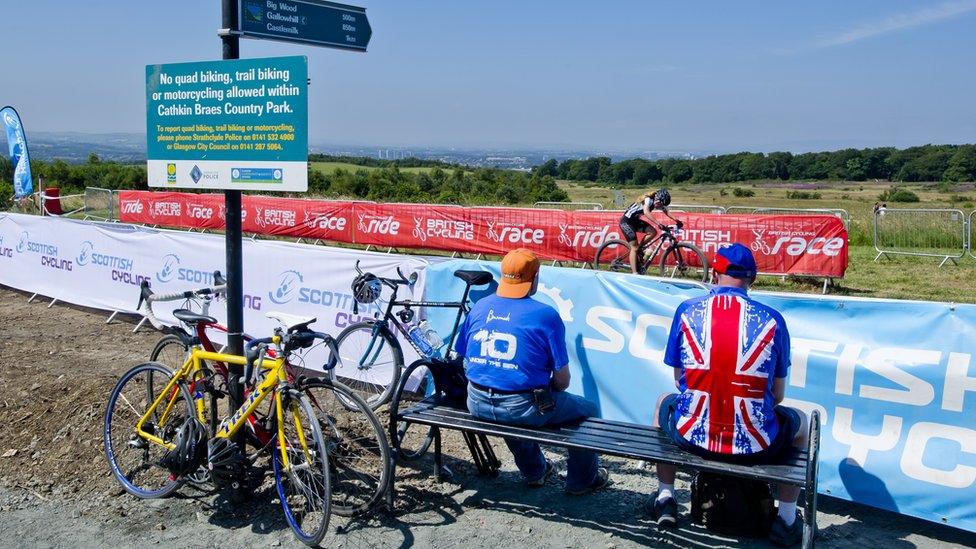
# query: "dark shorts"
[[778, 451], [630, 228]]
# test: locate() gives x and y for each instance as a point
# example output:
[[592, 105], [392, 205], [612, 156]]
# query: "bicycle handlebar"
[[404, 280], [147, 297]]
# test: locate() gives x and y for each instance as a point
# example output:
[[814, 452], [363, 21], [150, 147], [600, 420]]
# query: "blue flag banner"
[[17, 143], [893, 380]]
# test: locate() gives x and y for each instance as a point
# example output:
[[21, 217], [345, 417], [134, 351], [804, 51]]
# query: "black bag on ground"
[[451, 382], [732, 506]]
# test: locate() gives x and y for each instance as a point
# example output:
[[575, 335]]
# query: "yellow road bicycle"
[[156, 433]]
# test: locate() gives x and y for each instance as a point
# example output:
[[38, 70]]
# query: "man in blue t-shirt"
[[514, 350], [731, 356]]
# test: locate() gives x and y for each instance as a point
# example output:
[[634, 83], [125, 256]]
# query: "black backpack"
[[732, 506]]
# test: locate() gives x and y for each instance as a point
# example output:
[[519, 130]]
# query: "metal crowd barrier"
[[697, 208], [100, 204], [921, 232], [59, 208], [841, 213], [972, 220], [569, 205]]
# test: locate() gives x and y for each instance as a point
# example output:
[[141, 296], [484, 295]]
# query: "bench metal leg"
[[493, 464], [813, 468], [391, 489], [443, 473]]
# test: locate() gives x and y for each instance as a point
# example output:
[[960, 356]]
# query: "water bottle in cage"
[[431, 335], [417, 336]]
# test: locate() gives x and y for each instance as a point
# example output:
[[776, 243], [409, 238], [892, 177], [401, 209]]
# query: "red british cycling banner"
[[783, 244]]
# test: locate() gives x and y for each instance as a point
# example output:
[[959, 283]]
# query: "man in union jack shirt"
[[731, 355]]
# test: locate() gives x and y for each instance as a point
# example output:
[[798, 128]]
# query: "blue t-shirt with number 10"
[[512, 344]]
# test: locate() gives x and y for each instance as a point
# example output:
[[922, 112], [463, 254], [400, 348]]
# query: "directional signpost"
[[312, 22]]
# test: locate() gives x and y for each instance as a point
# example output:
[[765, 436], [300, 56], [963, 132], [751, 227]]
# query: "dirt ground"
[[58, 364]]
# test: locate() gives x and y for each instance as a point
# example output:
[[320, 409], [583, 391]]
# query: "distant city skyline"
[[627, 76]]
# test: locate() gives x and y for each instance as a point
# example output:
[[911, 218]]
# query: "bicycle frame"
[[277, 375]]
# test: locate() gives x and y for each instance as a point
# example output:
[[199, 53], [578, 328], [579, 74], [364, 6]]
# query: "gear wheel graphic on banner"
[[563, 306]]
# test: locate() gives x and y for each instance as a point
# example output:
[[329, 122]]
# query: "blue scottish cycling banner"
[[893, 380], [17, 143]]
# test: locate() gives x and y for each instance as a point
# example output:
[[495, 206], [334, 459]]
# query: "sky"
[[612, 75]]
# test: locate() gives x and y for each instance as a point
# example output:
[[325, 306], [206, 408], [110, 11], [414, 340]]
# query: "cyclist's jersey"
[[633, 214]]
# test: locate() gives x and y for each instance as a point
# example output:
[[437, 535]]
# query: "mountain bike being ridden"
[[371, 358], [675, 258], [631, 221], [358, 448]]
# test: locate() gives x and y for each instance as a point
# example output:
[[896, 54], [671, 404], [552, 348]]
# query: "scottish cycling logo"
[[48, 252], [288, 284], [514, 233], [4, 251], [585, 236], [291, 287], [378, 224], [85, 254], [121, 267], [171, 262], [171, 269]]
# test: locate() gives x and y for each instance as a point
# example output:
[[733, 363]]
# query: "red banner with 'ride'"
[[783, 244]]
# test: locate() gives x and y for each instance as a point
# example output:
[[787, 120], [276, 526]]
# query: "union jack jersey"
[[729, 348]]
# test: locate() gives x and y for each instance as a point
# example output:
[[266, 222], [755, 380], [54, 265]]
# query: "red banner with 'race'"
[[783, 244]]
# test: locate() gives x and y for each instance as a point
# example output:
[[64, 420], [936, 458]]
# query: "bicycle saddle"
[[291, 322], [189, 317], [474, 278]]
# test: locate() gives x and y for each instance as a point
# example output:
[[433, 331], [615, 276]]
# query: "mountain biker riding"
[[631, 222]]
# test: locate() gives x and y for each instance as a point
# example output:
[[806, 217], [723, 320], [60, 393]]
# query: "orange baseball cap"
[[519, 268]]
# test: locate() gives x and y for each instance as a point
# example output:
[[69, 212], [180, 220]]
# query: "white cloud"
[[899, 22]]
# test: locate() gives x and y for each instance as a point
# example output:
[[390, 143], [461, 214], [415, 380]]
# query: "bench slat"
[[637, 436], [644, 440], [606, 437]]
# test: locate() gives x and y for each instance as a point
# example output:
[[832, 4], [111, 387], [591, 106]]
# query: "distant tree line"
[[457, 186], [367, 161], [914, 164], [387, 184]]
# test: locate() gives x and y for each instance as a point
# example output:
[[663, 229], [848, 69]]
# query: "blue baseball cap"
[[735, 260]]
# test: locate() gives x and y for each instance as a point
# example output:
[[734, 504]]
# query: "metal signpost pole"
[[231, 45]]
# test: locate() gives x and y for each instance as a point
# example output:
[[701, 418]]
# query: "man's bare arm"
[[779, 389], [560, 379]]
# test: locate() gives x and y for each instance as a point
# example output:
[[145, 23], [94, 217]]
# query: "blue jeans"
[[520, 409]]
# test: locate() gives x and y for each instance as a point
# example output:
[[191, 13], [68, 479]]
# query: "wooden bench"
[[613, 438]]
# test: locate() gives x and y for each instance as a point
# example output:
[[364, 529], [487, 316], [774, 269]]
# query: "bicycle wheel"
[[303, 483], [684, 260], [613, 255], [172, 351], [416, 384], [133, 460], [370, 361], [359, 454]]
